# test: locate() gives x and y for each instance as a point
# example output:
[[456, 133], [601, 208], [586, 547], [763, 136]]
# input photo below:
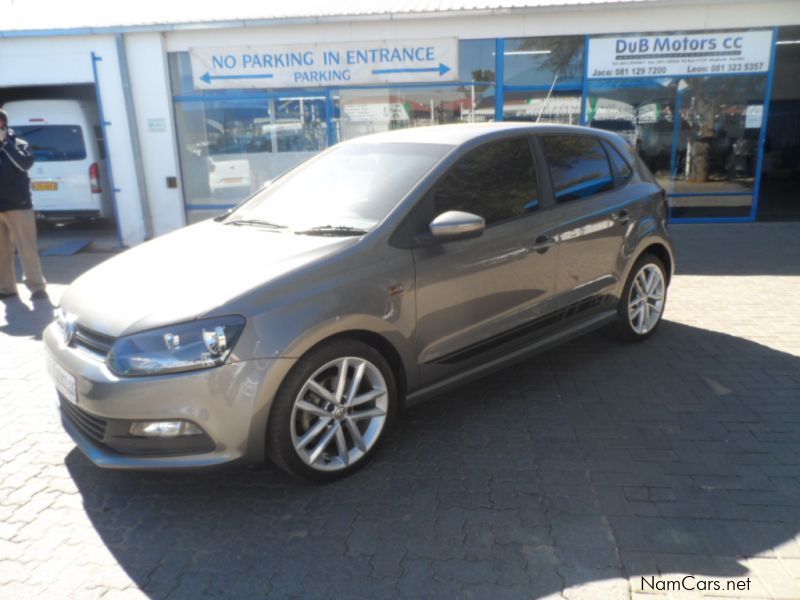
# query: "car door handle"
[[622, 217], [542, 243]]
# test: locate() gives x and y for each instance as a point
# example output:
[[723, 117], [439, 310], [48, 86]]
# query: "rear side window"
[[621, 166], [496, 181], [52, 143], [578, 166]]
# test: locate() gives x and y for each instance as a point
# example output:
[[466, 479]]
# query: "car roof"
[[457, 134]]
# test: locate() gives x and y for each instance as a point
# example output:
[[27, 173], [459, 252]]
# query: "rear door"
[[594, 216], [474, 296], [60, 174]]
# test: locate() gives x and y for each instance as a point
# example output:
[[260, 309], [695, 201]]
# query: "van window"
[[51, 143], [578, 166], [496, 181]]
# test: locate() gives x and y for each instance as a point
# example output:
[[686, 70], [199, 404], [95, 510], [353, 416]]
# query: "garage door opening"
[[70, 182]]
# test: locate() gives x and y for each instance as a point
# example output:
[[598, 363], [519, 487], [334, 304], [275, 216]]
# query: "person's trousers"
[[18, 228]]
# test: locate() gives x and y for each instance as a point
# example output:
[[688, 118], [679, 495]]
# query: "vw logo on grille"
[[70, 327]]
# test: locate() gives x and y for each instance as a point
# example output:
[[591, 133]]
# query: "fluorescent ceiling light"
[[522, 52], [787, 42]]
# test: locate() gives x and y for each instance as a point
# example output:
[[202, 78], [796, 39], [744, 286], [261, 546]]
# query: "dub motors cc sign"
[[666, 55]]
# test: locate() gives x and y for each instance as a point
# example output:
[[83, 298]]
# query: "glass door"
[[714, 162]]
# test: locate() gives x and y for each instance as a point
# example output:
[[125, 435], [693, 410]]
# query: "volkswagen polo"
[[381, 272]]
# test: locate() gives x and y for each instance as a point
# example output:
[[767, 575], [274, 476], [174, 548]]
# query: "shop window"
[[366, 111], [230, 148], [180, 71], [642, 112], [578, 166], [476, 60], [543, 107], [543, 61], [496, 181], [719, 154], [698, 136]]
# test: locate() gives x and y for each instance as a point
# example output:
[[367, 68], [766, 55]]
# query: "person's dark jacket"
[[15, 184]]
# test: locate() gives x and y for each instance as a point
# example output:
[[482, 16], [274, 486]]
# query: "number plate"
[[232, 180], [44, 186], [64, 380]]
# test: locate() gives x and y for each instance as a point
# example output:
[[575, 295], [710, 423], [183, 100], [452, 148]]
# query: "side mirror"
[[456, 225]]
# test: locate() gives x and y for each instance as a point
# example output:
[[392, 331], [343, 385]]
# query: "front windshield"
[[350, 187]]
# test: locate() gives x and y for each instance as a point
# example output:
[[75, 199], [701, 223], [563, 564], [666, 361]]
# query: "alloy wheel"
[[646, 300], [339, 413]]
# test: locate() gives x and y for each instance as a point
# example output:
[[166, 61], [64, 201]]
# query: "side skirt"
[[564, 335]]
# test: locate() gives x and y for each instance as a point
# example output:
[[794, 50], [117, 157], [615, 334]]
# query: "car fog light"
[[163, 428]]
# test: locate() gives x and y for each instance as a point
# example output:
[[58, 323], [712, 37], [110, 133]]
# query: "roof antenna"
[[547, 98]]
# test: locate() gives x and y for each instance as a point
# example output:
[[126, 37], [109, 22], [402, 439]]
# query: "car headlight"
[[184, 347]]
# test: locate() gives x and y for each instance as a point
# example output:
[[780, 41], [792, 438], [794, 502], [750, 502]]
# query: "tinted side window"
[[620, 164], [578, 165], [496, 181]]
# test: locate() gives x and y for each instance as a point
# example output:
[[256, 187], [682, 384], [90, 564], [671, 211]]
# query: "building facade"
[[197, 116]]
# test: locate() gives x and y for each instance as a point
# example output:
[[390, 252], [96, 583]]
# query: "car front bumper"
[[230, 403]]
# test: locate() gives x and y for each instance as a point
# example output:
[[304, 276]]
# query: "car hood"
[[181, 275]]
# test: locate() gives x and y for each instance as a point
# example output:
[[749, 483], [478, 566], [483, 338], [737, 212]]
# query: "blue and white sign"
[[312, 65], [667, 55]]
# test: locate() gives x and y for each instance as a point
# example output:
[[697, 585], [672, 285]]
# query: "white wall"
[[149, 75], [574, 20], [67, 60]]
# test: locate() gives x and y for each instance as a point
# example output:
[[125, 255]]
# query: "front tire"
[[332, 411], [643, 300]]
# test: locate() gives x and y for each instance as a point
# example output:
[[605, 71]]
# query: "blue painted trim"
[[687, 76], [274, 93], [330, 126], [209, 206], [677, 121], [762, 135], [710, 220], [104, 125], [711, 194], [499, 76], [585, 80], [422, 84], [559, 87], [240, 97]]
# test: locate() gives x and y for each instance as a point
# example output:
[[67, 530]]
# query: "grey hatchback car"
[[376, 274]]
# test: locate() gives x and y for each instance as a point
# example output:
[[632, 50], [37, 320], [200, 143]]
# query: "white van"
[[68, 179]]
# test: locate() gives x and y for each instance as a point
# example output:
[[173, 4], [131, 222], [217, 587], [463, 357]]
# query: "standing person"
[[17, 220]]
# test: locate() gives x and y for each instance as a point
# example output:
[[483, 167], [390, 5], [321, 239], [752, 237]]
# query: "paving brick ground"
[[597, 470]]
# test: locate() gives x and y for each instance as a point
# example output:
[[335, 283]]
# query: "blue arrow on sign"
[[207, 77], [441, 68]]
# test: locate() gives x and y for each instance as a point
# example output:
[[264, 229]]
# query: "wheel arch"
[[379, 343], [661, 252]]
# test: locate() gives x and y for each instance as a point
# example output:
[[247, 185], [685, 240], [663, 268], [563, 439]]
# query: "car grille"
[[90, 425], [93, 342]]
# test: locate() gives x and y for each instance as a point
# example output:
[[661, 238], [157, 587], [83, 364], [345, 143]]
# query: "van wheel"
[[642, 303], [332, 411]]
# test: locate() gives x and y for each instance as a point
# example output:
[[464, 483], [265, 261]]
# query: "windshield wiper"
[[334, 230], [256, 222]]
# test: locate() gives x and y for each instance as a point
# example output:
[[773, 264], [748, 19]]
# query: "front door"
[[474, 294]]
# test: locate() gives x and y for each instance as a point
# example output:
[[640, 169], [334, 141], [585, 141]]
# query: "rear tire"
[[642, 303], [332, 411]]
